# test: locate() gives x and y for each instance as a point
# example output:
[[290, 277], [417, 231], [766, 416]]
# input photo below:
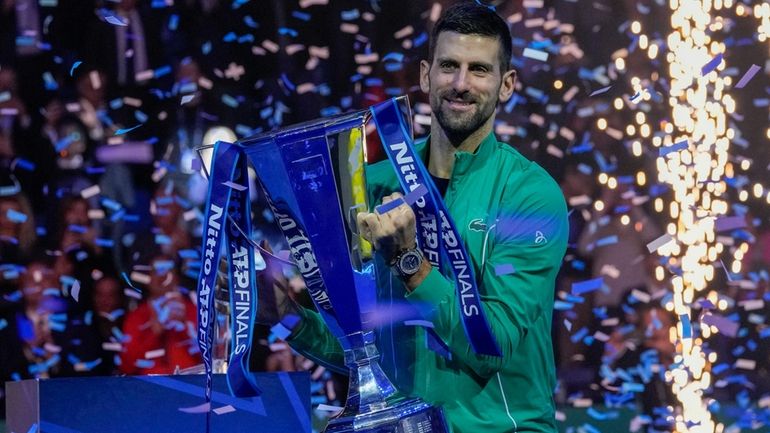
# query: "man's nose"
[[460, 82]]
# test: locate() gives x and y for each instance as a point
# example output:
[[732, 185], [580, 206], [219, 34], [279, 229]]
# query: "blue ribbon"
[[225, 207], [431, 214]]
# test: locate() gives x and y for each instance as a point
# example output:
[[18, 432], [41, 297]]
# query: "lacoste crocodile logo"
[[477, 225]]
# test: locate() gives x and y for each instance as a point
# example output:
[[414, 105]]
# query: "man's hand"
[[391, 232], [275, 302]]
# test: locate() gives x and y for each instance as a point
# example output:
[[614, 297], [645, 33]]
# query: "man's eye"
[[447, 65]]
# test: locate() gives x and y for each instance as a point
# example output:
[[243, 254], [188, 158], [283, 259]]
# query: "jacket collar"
[[465, 162]]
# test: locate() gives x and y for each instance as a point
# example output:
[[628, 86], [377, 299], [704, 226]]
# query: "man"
[[512, 218]]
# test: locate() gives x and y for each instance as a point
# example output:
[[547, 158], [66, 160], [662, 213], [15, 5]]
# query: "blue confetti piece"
[[229, 101], [587, 286], [144, 363], [420, 40], [75, 66], [609, 240], [111, 18], [125, 130], [140, 116], [16, 216], [3, 324], [287, 32], [104, 243], [562, 306], [173, 22], [579, 335], [350, 15], [711, 65], [632, 387], [393, 57], [504, 269], [303, 16], [686, 326], [33, 429], [676, 147]]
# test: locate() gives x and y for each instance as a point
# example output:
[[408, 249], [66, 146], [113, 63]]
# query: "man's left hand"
[[391, 232]]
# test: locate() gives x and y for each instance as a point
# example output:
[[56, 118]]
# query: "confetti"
[[535, 54], [676, 147], [582, 287], [123, 131], [504, 269], [711, 65], [202, 408], [224, 409], [723, 324], [235, 186], [659, 242], [600, 91], [747, 76], [75, 66], [75, 290]]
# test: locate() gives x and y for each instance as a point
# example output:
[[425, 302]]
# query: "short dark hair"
[[471, 18]]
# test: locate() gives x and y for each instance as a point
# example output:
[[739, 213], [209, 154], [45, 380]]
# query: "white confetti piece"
[[277, 347], [224, 409], [535, 54], [201, 408], [328, 408], [132, 294], [90, 191], [186, 99], [157, 353], [140, 277], [745, 364], [753, 304], [75, 291], [112, 347], [235, 186], [659, 242], [580, 200], [643, 297]]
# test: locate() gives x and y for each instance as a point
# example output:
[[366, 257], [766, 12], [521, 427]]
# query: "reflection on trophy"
[[313, 177]]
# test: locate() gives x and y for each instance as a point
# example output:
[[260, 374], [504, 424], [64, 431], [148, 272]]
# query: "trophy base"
[[409, 416]]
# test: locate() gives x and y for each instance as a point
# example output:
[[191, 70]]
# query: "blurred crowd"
[[103, 108]]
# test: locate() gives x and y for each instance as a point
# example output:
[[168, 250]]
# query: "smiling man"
[[512, 219]]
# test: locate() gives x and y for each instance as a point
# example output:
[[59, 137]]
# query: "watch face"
[[410, 262]]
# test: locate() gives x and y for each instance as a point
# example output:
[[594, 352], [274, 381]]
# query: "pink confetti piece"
[[747, 76]]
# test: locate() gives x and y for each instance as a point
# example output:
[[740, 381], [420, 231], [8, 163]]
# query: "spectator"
[[160, 332], [17, 229]]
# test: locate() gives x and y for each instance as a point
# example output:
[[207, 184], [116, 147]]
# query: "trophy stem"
[[373, 404], [369, 387]]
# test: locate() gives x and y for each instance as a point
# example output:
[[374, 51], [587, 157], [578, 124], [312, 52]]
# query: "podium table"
[[156, 404]]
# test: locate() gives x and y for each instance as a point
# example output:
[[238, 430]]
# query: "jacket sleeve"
[[314, 341], [516, 282]]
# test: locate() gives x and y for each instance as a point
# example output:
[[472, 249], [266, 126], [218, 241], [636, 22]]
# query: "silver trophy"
[[314, 179]]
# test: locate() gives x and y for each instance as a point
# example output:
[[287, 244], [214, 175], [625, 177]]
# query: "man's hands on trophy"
[[275, 301], [391, 232]]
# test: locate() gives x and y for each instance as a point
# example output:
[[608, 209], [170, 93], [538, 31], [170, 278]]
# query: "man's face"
[[465, 82]]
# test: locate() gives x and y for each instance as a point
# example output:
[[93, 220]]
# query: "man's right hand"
[[275, 297]]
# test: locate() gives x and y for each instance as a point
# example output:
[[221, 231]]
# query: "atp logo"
[[477, 225]]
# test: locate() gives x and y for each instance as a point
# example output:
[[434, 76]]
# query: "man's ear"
[[425, 76], [507, 85]]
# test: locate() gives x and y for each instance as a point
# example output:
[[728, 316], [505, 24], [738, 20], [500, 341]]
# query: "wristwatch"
[[407, 263]]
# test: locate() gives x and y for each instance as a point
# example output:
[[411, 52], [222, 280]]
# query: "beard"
[[459, 125]]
